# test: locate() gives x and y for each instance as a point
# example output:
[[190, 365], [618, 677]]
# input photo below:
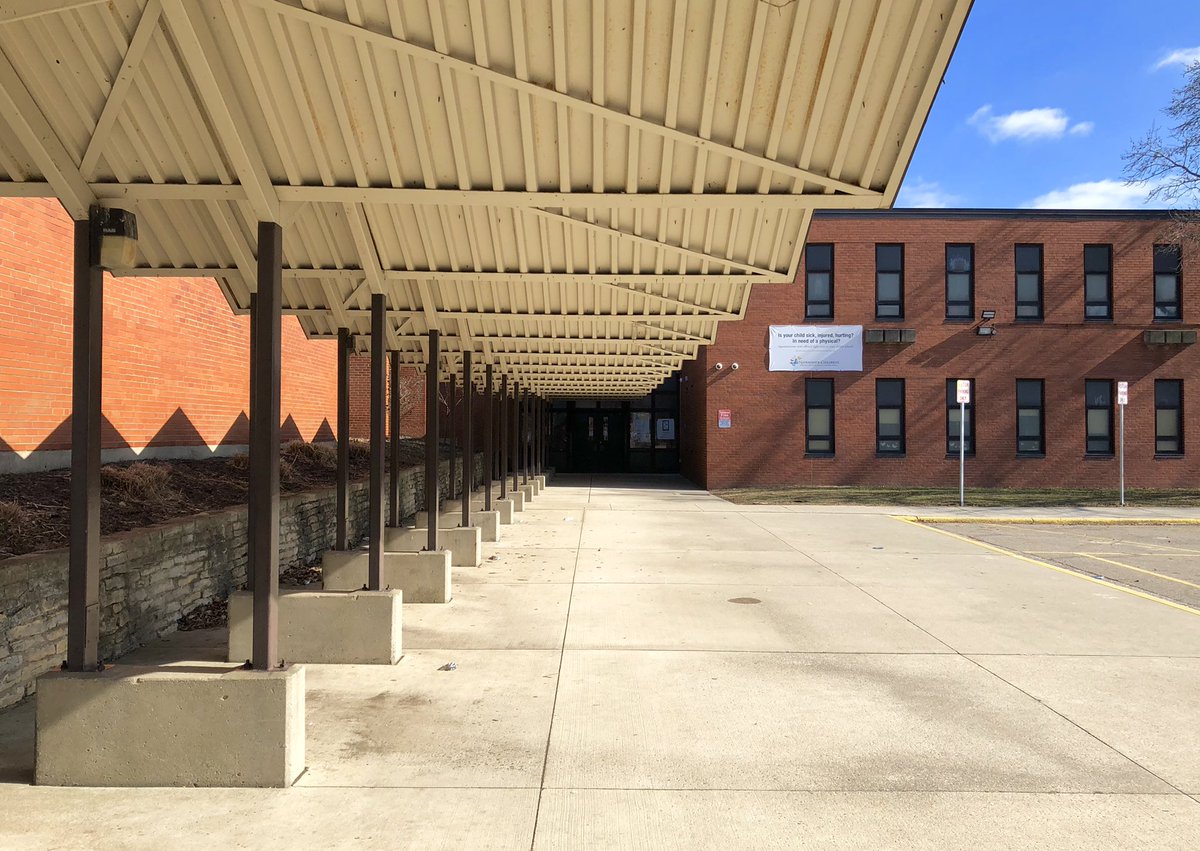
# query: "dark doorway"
[[617, 436]]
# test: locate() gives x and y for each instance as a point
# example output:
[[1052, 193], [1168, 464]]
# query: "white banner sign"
[[816, 348]]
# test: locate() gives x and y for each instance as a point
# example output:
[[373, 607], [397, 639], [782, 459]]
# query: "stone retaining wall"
[[150, 577]]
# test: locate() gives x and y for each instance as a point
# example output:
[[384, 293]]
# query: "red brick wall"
[[766, 443], [176, 369], [412, 419]]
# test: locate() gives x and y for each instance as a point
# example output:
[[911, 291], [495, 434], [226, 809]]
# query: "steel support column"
[[345, 346], [264, 447], [468, 464], [515, 413], [502, 420], [251, 524], [394, 435], [378, 416], [431, 441], [83, 577], [525, 438], [452, 402], [489, 462]]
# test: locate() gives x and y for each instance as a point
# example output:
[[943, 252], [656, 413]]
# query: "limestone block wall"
[[150, 577]]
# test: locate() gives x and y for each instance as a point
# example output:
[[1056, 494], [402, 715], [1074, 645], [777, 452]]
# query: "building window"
[[1031, 417], [1098, 401], [1097, 282], [1028, 262], [889, 281], [952, 416], [1168, 417], [889, 416], [1166, 283], [960, 281], [818, 290], [818, 401]]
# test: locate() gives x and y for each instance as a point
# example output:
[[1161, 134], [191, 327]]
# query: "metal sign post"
[[1122, 401], [964, 396]]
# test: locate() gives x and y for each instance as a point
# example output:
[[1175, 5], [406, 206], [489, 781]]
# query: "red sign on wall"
[[724, 419]]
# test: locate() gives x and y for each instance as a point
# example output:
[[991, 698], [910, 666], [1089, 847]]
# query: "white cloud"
[[1027, 124], [1094, 195], [1185, 56], [925, 193]]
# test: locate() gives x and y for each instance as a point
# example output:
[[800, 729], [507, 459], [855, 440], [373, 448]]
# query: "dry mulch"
[[35, 507]]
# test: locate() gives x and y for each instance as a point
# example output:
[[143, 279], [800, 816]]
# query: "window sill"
[[1029, 320], [1034, 456], [890, 454], [1168, 456], [953, 456], [960, 320], [1098, 320], [818, 455], [1167, 321], [1099, 456], [889, 318]]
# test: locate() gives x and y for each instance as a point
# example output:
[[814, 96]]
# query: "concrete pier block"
[[465, 545], [504, 507], [422, 577], [488, 523], [518, 499], [527, 489], [446, 520], [324, 627], [164, 726], [541, 480]]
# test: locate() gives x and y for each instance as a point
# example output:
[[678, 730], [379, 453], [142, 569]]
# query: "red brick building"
[[176, 369], [1044, 377]]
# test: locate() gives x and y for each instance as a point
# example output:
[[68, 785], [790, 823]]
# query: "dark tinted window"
[[1097, 282], [1031, 439], [889, 281], [1168, 416], [1028, 262], [953, 410], [960, 281], [818, 398], [1098, 404], [818, 289], [889, 416], [1167, 274]]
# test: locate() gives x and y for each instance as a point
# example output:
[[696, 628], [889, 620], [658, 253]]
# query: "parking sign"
[[1122, 392], [964, 391]]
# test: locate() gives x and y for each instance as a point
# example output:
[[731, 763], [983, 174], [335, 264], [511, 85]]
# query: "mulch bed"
[[35, 507]]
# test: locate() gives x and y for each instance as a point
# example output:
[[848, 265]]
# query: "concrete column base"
[[528, 490], [324, 627], [504, 507], [422, 577], [518, 499], [489, 525], [465, 545], [148, 726], [446, 520], [541, 483]]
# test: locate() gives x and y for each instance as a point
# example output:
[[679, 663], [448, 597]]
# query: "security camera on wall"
[[733, 366], [719, 366]]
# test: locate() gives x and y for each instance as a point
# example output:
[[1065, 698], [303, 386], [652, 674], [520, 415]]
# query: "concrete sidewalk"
[[643, 665]]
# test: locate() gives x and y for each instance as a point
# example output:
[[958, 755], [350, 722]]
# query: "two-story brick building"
[[1044, 312]]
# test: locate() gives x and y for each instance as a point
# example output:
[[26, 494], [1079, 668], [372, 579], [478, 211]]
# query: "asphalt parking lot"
[[1160, 560]]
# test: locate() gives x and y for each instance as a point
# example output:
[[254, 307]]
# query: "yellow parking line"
[[1165, 547], [1138, 569], [1063, 570], [1056, 521]]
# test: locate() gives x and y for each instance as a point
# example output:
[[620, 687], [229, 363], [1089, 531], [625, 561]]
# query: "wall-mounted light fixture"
[[114, 237], [987, 314], [986, 330]]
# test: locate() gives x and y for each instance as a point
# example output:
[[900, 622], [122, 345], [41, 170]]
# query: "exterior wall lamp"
[[114, 238]]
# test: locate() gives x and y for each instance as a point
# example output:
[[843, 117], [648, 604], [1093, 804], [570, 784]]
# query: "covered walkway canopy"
[[577, 193]]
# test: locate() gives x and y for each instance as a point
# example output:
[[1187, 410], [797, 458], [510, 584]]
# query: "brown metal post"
[[251, 522], [468, 464], [378, 417], [525, 409], [515, 413], [502, 417], [394, 460], [431, 441], [264, 448], [345, 345], [489, 461], [450, 406], [83, 576]]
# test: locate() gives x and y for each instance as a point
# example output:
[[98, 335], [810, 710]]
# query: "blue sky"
[[1042, 99]]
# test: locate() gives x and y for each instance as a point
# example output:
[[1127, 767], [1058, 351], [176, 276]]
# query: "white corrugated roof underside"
[[580, 193]]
